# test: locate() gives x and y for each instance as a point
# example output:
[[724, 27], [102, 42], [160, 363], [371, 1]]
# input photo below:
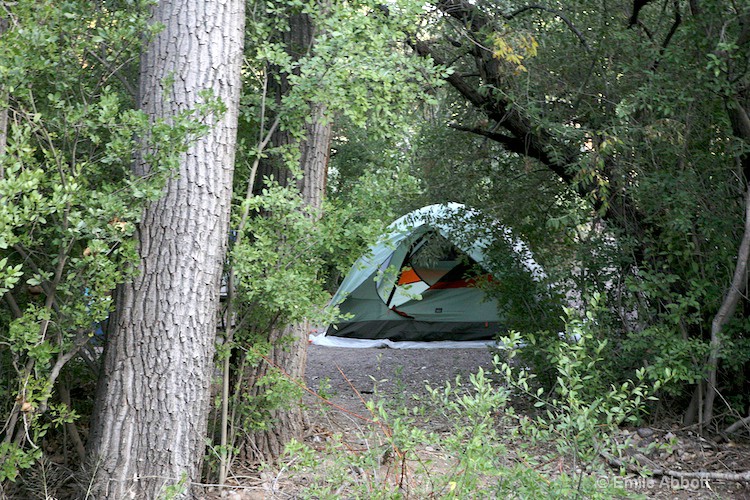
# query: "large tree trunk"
[[289, 352], [290, 342], [151, 413], [316, 152]]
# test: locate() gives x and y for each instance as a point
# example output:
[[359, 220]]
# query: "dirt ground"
[[342, 373]]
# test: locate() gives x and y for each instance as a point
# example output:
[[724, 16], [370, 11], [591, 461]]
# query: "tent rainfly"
[[418, 281]]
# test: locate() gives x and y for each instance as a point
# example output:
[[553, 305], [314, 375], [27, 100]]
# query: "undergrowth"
[[488, 449]]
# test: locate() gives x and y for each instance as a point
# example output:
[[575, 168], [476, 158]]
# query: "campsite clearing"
[[397, 376]]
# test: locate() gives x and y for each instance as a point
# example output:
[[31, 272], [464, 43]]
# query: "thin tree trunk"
[[151, 414], [694, 408], [728, 306], [289, 351], [71, 428], [290, 354], [738, 116], [3, 109], [225, 431]]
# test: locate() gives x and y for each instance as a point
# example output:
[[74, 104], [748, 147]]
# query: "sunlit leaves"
[[514, 48]]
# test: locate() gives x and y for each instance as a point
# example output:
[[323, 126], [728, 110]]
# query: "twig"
[[281, 471]]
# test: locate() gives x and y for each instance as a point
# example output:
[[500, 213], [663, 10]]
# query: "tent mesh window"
[[431, 263]]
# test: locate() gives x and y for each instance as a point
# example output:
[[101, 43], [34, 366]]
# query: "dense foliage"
[[622, 156]]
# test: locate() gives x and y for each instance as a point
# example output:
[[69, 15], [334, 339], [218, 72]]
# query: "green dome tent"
[[419, 281]]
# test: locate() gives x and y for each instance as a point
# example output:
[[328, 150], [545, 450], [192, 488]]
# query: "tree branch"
[[13, 305], [524, 141], [637, 6], [743, 422], [520, 133], [512, 144], [668, 38], [673, 29], [129, 88], [659, 471]]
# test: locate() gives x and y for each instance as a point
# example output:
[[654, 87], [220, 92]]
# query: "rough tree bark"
[[290, 342], [151, 413]]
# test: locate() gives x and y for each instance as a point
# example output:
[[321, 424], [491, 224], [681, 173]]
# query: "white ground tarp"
[[323, 340]]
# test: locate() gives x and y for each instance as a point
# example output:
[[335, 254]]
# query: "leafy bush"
[[491, 450], [70, 201]]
